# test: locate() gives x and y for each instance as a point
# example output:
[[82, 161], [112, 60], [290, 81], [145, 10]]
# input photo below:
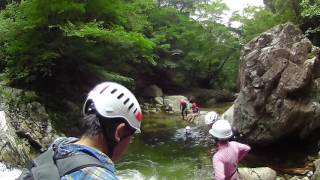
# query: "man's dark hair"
[[90, 125], [94, 124]]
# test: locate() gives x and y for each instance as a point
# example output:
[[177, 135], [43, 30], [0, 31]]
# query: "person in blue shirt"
[[112, 115]]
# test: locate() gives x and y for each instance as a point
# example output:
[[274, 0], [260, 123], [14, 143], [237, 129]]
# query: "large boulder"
[[279, 86], [152, 91], [25, 125], [174, 102]]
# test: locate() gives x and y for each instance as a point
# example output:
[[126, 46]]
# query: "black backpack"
[[47, 167]]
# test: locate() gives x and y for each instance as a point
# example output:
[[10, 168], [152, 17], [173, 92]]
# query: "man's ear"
[[120, 129]]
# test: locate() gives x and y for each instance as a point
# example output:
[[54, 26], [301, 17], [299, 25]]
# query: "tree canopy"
[[63, 44]]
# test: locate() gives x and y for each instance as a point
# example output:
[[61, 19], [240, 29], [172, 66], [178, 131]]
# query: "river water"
[[8, 174], [163, 152]]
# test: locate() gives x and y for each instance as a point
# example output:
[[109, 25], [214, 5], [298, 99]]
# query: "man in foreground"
[[112, 115]]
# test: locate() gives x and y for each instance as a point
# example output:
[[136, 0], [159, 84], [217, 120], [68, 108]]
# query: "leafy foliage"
[[73, 43], [178, 43], [304, 13], [44, 39], [311, 13]]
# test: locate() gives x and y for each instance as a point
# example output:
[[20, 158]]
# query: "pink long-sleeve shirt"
[[226, 159]]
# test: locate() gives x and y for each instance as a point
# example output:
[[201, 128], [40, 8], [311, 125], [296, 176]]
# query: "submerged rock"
[[279, 89]]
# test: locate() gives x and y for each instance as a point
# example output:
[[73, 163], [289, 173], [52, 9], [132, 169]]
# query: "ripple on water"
[[130, 174]]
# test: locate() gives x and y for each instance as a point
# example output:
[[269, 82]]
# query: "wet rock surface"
[[25, 126], [279, 87]]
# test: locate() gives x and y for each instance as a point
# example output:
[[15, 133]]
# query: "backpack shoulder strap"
[[47, 167], [44, 158], [44, 167], [74, 163]]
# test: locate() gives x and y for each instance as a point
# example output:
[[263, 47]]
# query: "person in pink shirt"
[[229, 153]]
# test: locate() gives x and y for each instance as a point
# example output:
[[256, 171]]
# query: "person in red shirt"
[[195, 108], [183, 108], [195, 112]]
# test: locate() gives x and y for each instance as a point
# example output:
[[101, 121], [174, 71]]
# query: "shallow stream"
[[163, 152]]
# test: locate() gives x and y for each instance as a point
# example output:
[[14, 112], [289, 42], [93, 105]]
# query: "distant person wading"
[[183, 108]]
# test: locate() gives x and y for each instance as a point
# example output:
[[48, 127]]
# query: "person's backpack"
[[47, 167]]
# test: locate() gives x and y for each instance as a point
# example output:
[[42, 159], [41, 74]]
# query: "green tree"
[[46, 39], [310, 13]]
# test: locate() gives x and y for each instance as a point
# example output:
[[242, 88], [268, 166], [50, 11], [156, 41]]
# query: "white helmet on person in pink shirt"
[[221, 129]]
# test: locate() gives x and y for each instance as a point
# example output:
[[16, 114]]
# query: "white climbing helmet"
[[112, 100], [221, 129], [211, 117]]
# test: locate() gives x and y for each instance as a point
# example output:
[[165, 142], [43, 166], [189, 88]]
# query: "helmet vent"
[[125, 102], [113, 91], [130, 106], [103, 89], [135, 111], [120, 96]]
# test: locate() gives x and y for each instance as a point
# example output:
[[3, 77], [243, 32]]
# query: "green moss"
[[310, 55]]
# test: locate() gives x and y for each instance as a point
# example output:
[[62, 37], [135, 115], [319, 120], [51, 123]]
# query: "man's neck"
[[95, 142]]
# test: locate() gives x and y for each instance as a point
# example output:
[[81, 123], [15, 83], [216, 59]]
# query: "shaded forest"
[[63, 47]]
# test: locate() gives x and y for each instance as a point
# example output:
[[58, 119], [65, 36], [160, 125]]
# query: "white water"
[[12, 174], [8, 174], [130, 174]]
